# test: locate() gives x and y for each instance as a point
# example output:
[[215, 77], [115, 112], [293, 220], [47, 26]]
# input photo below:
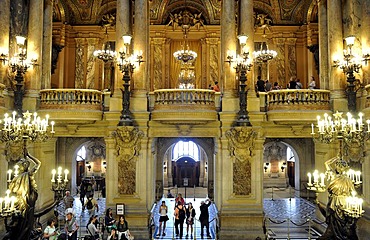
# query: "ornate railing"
[[71, 99], [300, 99], [198, 98]]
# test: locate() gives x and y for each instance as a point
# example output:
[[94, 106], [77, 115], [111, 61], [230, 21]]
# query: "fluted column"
[[337, 81], [246, 27], [47, 44], [228, 42], [34, 43], [141, 43], [4, 36], [323, 45]]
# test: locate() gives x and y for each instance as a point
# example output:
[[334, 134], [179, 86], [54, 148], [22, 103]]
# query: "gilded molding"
[[128, 145]]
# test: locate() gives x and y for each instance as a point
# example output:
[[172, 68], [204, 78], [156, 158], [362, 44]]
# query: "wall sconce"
[[242, 60], [266, 166], [19, 64], [283, 166], [88, 165], [351, 64]]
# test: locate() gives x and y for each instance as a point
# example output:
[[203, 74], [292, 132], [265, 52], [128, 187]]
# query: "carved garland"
[[127, 149], [240, 146]]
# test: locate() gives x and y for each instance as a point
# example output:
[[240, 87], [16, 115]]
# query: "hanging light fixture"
[[106, 54], [186, 77], [264, 54], [185, 55]]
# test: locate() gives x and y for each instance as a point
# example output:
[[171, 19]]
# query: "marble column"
[[141, 43], [246, 27], [229, 84], [4, 36], [34, 75], [323, 45], [365, 39], [337, 82], [47, 44], [123, 27]]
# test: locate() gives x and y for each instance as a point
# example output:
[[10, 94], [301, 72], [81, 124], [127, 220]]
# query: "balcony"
[[72, 104], [301, 104], [184, 106]]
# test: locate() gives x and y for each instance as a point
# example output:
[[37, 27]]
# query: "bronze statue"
[[24, 186], [340, 226]]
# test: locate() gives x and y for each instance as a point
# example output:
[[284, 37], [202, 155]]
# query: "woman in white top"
[[163, 218], [50, 231], [312, 84]]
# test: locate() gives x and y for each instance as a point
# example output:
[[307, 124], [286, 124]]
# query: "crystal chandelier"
[[185, 55], [264, 54], [105, 54], [186, 77]]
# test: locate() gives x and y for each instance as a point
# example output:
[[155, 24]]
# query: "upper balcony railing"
[[87, 99], [295, 99], [198, 98]]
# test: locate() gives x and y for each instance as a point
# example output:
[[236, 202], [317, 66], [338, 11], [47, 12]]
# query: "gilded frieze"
[[80, 70], [128, 140]]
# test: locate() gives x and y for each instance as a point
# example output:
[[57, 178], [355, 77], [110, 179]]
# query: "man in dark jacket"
[[204, 217]]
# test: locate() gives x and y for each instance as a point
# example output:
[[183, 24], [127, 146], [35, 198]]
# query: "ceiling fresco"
[[90, 12]]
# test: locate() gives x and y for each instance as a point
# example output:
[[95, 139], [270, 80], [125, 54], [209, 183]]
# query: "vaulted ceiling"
[[90, 12]]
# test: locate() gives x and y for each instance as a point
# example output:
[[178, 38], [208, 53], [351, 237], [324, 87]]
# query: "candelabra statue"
[[21, 206], [344, 208]]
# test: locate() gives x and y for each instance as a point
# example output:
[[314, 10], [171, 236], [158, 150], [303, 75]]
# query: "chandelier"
[[185, 55], [105, 54], [264, 54], [186, 77]]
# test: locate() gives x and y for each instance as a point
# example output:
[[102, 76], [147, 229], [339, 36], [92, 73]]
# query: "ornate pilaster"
[[212, 66], [280, 61], [241, 147], [80, 68], [90, 63], [292, 59], [128, 145], [157, 50]]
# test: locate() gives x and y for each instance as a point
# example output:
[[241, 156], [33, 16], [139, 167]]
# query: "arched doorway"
[[186, 172]]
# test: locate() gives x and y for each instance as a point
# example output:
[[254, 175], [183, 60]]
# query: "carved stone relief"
[[292, 59], [280, 60], [80, 71], [240, 146], [157, 62], [213, 61], [128, 141], [90, 65]]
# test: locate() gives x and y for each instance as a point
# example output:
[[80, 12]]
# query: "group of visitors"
[[294, 83], [184, 213]]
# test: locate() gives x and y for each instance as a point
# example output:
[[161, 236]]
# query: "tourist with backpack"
[[91, 205], [179, 218]]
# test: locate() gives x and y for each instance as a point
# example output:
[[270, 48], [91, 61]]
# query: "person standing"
[[312, 84], [190, 214], [268, 86], [180, 199], [50, 231], [68, 200], [91, 227], [299, 84], [204, 217], [216, 88], [179, 219], [163, 210], [91, 205], [260, 84], [109, 220], [71, 226], [292, 83], [82, 193]]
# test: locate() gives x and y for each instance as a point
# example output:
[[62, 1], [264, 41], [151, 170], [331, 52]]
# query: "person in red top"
[[216, 88], [180, 199]]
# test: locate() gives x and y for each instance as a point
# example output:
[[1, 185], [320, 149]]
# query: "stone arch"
[[312, 12], [59, 13]]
